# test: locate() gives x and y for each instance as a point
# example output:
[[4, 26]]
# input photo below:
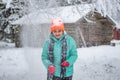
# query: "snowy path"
[[95, 63]]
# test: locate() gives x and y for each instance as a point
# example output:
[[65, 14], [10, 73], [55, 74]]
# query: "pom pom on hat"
[[57, 24]]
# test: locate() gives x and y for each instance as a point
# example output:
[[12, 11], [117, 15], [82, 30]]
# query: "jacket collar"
[[55, 39]]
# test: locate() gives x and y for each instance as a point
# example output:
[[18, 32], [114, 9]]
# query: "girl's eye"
[[58, 31]]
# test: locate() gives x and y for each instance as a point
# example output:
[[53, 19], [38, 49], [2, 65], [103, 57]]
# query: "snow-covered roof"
[[69, 14], [117, 24]]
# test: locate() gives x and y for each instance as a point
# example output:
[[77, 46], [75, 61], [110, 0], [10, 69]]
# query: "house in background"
[[116, 37], [86, 27], [97, 32], [115, 32]]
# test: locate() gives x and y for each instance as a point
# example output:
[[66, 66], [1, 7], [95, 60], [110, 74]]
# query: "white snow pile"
[[4, 45]]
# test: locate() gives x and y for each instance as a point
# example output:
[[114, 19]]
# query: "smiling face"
[[57, 33], [57, 27]]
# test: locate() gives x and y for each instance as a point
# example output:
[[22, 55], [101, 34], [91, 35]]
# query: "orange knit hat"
[[57, 24]]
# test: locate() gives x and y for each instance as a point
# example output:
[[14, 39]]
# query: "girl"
[[59, 52]]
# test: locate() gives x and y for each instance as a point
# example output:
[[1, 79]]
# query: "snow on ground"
[[98, 63], [93, 63], [13, 65], [4, 45]]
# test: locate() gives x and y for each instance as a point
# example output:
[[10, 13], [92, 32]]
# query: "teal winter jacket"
[[71, 55]]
